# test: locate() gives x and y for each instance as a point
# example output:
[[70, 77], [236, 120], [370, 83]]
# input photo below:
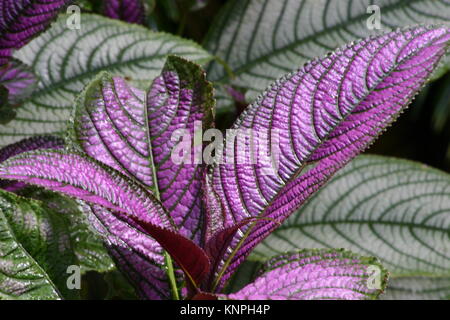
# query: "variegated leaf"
[[262, 40], [66, 60]]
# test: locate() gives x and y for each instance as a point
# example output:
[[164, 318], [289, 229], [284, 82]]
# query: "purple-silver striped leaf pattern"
[[327, 112], [132, 11], [317, 275], [21, 20], [30, 144]]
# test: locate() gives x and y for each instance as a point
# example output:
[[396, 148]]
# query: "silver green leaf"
[[35, 251], [66, 60], [396, 210], [418, 288], [262, 40]]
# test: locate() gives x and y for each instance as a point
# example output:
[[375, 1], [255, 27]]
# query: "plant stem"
[[171, 274], [167, 258]]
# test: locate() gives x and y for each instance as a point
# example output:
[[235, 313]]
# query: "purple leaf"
[[317, 275], [326, 113], [85, 179], [177, 99], [35, 143], [21, 20], [79, 177], [18, 79], [126, 10], [111, 125]]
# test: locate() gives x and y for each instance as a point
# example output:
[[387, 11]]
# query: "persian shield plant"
[[187, 229]]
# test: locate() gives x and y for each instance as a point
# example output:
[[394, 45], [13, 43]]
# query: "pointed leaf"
[[79, 177], [316, 275], [396, 209], [263, 40], [326, 113], [35, 250], [126, 10], [66, 60], [22, 20]]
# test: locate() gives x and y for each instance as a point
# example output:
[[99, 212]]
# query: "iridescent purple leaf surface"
[[80, 177], [178, 100], [126, 10], [113, 125], [317, 275], [21, 20], [30, 144], [86, 179], [326, 113]]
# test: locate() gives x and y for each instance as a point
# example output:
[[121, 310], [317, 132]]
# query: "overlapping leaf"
[[80, 177], [21, 20], [318, 275], [180, 99], [90, 253], [35, 251], [35, 143], [326, 113], [86, 244], [138, 256], [114, 126], [262, 40], [396, 209], [66, 60]]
